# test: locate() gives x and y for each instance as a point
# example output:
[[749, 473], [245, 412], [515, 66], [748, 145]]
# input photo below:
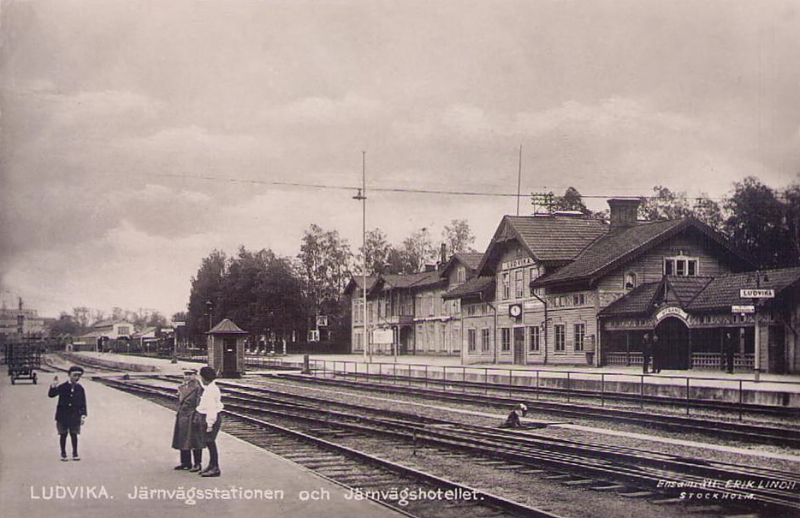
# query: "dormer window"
[[630, 280], [681, 266], [461, 275]]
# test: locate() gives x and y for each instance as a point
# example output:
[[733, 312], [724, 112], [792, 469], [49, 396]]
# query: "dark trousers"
[[645, 363], [186, 457]]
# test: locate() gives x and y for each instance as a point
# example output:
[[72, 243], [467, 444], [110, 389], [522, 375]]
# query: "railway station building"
[[564, 289], [410, 311]]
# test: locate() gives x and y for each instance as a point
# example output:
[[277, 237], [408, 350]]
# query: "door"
[[672, 346], [229, 355], [777, 350], [519, 345]]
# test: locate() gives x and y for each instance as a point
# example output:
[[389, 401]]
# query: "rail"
[[738, 395]]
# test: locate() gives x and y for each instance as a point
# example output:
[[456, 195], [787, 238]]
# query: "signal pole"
[[519, 177], [362, 196]]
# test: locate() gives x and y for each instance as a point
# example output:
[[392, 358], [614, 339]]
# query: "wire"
[[396, 189]]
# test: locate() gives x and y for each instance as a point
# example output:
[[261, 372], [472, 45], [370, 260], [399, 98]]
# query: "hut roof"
[[226, 327]]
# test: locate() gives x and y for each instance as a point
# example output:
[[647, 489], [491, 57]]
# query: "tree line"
[[275, 297]]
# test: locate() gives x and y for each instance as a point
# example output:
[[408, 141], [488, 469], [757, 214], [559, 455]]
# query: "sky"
[[136, 136]]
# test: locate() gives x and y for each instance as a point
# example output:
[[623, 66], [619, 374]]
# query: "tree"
[[708, 211], [377, 253], [82, 317], [325, 264], [417, 251], [572, 200], [791, 201], [63, 327], [206, 287], [757, 224], [668, 205], [458, 236], [665, 205]]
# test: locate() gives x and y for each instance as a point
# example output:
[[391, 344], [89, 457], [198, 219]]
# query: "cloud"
[[326, 110]]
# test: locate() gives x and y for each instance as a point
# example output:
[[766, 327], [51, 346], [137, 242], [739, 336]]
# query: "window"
[[580, 336], [505, 294], [486, 337], [519, 284], [123, 330], [579, 300], [560, 337], [535, 273], [533, 342], [506, 338], [471, 339], [461, 275], [630, 280], [681, 265]]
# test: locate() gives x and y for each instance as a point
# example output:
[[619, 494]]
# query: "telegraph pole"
[[362, 196], [519, 177]]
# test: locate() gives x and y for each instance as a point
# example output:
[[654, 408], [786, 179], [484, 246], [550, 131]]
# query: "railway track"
[[751, 433], [410, 491], [538, 391], [628, 472]]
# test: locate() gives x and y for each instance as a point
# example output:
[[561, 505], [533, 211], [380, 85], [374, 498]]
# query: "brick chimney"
[[624, 212], [443, 254]]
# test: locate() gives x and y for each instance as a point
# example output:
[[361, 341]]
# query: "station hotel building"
[[563, 289]]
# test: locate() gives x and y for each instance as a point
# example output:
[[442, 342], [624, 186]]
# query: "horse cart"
[[22, 360]]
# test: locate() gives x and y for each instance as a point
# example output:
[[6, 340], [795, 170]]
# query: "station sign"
[[508, 265], [672, 311], [743, 309], [756, 294], [382, 336]]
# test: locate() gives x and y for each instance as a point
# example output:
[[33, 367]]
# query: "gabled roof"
[[227, 327], [686, 288], [697, 294], [473, 287], [471, 260], [547, 238], [357, 282], [637, 301], [723, 291], [410, 280], [619, 247]]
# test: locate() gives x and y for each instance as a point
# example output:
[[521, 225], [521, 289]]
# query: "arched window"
[[630, 280]]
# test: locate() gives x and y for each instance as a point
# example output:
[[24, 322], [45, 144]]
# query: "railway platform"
[[770, 389], [126, 466]]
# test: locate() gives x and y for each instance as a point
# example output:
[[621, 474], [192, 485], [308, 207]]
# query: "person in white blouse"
[[209, 410]]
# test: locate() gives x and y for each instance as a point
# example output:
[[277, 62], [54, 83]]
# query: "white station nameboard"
[[382, 336], [743, 309], [756, 294]]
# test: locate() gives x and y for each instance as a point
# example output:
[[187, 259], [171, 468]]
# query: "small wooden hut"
[[226, 349]]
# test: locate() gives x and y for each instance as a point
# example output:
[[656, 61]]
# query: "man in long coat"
[[186, 435]]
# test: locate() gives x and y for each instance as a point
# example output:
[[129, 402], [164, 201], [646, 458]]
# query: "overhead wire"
[[404, 190]]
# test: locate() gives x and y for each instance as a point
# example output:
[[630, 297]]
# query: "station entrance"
[[672, 346]]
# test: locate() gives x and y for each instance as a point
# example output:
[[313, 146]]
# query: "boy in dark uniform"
[[71, 410]]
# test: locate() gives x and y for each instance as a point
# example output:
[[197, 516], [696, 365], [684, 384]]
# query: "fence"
[[597, 387]]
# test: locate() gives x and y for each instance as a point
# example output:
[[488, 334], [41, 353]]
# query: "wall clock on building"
[[515, 310]]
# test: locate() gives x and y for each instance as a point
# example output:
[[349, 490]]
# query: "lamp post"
[[362, 197]]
